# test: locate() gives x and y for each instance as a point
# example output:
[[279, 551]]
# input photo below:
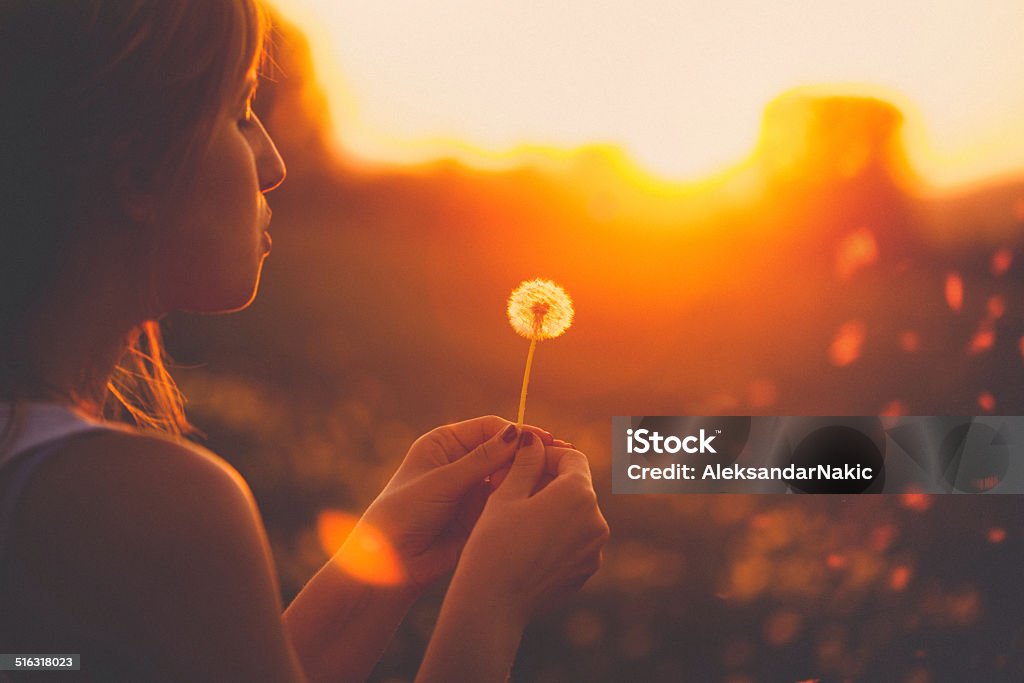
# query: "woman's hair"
[[98, 98]]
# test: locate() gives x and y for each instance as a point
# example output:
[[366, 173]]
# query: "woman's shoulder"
[[129, 445], [122, 490], [157, 544], [120, 459]]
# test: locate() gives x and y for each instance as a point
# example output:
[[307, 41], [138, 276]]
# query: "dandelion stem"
[[526, 382]]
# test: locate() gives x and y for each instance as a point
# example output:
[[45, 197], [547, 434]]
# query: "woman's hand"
[[540, 535], [532, 545], [430, 505]]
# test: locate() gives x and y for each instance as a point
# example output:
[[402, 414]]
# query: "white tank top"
[[39, 422]]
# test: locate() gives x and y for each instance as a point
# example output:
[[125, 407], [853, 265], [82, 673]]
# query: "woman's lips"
[[267, 211]]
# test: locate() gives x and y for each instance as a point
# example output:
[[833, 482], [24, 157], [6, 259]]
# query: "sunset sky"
[[680, 86]]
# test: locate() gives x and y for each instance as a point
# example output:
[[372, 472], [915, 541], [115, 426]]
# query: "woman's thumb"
[[526, 469]]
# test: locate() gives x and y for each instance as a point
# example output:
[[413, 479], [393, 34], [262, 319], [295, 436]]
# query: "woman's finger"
[[573, 459], [458, 477]]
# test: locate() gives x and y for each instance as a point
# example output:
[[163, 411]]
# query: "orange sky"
[[680, 86]]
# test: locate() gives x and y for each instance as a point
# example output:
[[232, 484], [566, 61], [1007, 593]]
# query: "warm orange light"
[[332, 528], [894, 408], [899, 578], [835, 561], [996, 535], [847, 344], [782, 627], [919, 502], [361, 551], [954, 291], [857, 250], [882, 537], [910, 341], [983, 340], [763, 393], [566, 74], [1002, 259], [996, 307]]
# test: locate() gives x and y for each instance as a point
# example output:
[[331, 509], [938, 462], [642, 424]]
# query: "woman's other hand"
[[540, 535]]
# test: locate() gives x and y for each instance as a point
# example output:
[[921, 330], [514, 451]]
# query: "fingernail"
[[527, 438], [509, 434]]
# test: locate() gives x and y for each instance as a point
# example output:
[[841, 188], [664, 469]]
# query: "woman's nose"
[[270, 166]]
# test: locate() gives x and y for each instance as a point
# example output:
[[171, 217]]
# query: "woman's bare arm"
[[476, 636], [529, 549], [159, 544], [341, 626]]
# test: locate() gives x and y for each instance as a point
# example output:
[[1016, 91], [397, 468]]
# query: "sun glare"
[[680, 86]]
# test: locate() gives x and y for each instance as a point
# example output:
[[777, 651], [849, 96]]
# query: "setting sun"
[[680, 86]]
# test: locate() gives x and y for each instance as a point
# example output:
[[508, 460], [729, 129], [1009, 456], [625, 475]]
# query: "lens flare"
[[363, 552]]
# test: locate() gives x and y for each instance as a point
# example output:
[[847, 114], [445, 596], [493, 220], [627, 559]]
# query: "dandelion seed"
[[537, 309]]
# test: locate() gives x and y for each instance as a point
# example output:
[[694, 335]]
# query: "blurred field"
[[818, 276]]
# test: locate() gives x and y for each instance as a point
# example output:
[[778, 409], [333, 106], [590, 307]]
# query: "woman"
[[132, 175]]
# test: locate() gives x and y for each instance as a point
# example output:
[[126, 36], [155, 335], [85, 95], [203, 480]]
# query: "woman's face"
[[211, 257]]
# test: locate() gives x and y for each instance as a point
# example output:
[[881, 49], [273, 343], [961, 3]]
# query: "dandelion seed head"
[[539, 309]]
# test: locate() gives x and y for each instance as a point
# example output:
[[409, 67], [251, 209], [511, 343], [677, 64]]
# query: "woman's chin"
[[247, 291], [249, 296], [228, 299]]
